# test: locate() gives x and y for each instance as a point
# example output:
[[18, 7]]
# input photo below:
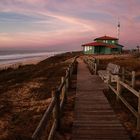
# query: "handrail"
[[118, 91], [63, 83], [55, 106], [132, 74], [92, 64], [120, 83], [136, 93], [44, 120]]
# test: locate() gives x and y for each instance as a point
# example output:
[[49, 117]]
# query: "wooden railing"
[[92, 64], [121, 83], [118, 90], [55, 108], [131, 76]]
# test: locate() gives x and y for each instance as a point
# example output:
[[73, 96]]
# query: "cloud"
[[18, 17], [59, 22]]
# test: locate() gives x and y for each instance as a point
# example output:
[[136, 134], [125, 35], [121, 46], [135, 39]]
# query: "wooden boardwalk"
[[94, 117]]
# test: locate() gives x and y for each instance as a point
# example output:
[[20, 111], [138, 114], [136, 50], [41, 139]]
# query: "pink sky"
[[66, 24]]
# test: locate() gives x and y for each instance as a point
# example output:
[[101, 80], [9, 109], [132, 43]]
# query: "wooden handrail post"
[[72, 69], [95, 65], [138, 119], [118, 88], [97, 61], [123, 74], [109, 78], [67, 79], [69, 70], [133, 79], [56, 111], [74, 65], [64, 94]]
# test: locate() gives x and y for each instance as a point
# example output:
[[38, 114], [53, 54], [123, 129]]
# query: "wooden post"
[[56, 111], [63, 89], [133, 79], [90, 66], [138, 119], [71, 70], [118, 88], [95, 65], [64, 95], [123, 74], [109, 78], [74, 66], [97, 61], [68, 78]]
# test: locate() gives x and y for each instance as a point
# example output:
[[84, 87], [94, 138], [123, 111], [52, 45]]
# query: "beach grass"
[[26, 93]]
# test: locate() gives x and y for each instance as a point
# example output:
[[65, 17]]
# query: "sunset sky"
[[66, 24]]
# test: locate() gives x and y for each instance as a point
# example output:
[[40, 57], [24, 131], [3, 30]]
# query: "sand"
[[22, 62]]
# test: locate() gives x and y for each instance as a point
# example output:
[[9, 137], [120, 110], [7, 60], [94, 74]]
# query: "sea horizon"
[[10, 57]]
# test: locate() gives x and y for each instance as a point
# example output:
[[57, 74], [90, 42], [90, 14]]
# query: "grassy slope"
[[25, 94]]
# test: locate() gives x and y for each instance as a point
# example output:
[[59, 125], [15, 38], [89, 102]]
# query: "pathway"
[[94, 117]]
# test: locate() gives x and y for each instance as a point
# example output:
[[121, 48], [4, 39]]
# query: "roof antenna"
[[118, 29]]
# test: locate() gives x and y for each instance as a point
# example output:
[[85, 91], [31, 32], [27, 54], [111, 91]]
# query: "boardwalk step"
[[94, 117]]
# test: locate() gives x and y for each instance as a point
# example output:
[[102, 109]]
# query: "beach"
[[23, 57], [17, 63]]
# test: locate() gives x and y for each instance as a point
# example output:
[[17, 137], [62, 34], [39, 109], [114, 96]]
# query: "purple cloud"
[[59, 22]]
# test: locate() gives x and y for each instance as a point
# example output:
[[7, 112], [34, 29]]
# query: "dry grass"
[[26, 92]]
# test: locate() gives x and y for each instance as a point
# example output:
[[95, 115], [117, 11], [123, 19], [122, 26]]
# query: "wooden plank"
[[85, 137], [101, 124], [94, 117]]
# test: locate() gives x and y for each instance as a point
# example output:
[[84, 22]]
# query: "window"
[[86, 48], [113, 41], [105, 41]]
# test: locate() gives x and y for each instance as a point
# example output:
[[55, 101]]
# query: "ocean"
[[12, 57]]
